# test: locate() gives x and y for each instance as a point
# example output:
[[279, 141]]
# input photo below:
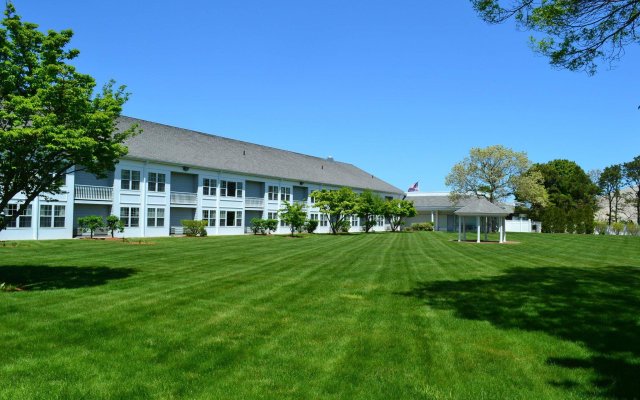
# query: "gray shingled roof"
[[168, 144], [436, 202], [442, 202], [481, 206]]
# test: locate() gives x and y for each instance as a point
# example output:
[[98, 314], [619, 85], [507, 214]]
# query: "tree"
[[570, 190], [610, 183], [496, 172], [631, 172], [114, 224], [90, 223], [397, 210], [368, 207], [338, 205], [294, 215], [50, 119], [576, 33]]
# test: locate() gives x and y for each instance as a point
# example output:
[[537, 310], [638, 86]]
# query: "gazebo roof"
[[481, 207]]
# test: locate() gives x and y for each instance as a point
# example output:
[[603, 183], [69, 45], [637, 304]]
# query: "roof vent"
[[330, 158]]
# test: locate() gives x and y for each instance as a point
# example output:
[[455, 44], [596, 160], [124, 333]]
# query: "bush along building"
[[172, 174]]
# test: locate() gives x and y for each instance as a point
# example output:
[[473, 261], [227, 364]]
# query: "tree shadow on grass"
[[42, 277], [598, 307]]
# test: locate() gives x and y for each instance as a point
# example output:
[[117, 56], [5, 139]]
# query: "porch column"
[[478, 229], [437, 222], [432, 218], [459, 229], [500, 229]]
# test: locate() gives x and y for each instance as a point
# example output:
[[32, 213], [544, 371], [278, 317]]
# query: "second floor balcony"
[[93, 193], [184, 198]]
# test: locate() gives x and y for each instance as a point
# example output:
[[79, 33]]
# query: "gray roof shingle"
[[481, 206], [168, 144]]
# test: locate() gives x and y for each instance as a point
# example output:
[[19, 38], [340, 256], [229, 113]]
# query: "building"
[[437, 207], [172, 174]]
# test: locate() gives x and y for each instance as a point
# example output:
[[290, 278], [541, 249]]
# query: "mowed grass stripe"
[[355, 316]]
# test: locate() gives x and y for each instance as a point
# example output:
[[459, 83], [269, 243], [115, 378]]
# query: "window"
[[155, 217], [209, 216], [156, 182], [285, 194], [23, 221], [313, 216], [324, 220], [355, 221], [52, 216], [312, 200], [130, 216], [273, 193], [272, 215], [129, 179], [380, 220], [230, 189], [209, 187], [230, 218]]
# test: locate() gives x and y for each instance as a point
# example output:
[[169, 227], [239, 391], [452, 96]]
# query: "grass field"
[[388, 316]]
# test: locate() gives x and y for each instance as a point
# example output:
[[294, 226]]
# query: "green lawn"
[[388, 316]]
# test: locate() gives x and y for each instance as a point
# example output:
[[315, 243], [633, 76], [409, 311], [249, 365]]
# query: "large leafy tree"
[[338, 205], [631, 172], [572, 197], [50, 118], [396, 210], [574, 34], [610, 183], [496, 173], [368, 207], [294, 215]]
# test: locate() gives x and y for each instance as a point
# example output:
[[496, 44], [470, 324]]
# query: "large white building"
[[171, 174]]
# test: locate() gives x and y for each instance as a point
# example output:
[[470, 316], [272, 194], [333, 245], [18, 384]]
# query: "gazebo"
[[481, 209]]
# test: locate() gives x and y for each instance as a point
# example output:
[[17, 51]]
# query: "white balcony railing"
[[254, 202], [184, 198], [96, 193]]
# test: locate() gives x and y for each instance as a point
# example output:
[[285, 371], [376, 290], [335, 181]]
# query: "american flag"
[[414, 187]]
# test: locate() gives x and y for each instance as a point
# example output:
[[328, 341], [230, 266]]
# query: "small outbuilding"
[[483, 211]]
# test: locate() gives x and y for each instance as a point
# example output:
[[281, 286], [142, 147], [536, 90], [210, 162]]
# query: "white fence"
[[525, 225]]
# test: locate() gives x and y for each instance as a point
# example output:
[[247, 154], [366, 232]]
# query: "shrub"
[[90, 223], [271, 225], [632, 229], [344, 227], [617, 228], [311, 225], [114, 224], [194, 227], [422, 226], [601, 227], [258, 225]]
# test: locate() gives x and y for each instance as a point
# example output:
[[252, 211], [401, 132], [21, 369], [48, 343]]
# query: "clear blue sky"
[[402, 89]]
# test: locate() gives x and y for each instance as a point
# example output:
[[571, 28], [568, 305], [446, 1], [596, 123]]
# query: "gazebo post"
[[464, 229], [478, 229], [504, 229], [486, 228]]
